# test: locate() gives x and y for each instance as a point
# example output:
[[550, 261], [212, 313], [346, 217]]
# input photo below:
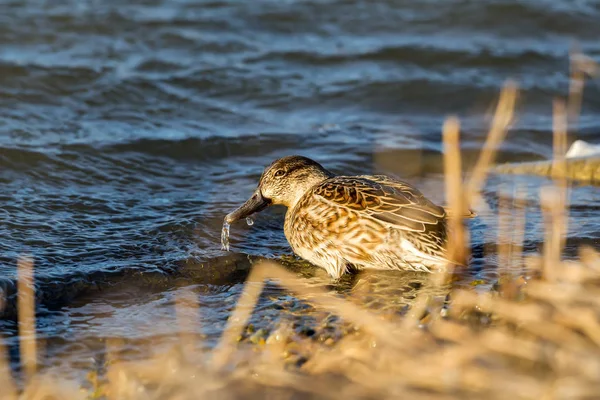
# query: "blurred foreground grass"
[[536, 335]]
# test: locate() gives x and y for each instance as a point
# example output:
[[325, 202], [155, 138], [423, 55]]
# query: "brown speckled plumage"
[[361, 221]]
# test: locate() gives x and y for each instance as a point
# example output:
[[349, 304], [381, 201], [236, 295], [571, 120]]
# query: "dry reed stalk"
[[269, 377], [578, 273], [559, 166], [576, 84], [583, 364], [115, 375], [519, 218], [444, 370], [7, 384], [511, 228], [504, 342], [553, 207], [590, 257], [509, 310], [457, 244], [559, 141], [579, 318], [185, 301], [8, 388], [47, 388], [503, 117], [450, 331], [504, 237], [26, 316], [568, 293], [559, 335], [435, 375], [530, 317], [580, 66], [239, 317]]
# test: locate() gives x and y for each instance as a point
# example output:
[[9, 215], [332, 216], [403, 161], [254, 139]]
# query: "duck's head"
[[283, 182]]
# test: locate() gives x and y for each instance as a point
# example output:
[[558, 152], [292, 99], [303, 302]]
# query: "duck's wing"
[[405, 186], [389, 201]]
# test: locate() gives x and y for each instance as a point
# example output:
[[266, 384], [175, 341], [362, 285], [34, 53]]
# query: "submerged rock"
[[53, 293]]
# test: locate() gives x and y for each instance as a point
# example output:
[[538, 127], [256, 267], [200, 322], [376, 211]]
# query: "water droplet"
[[225, 236], [249, 221]]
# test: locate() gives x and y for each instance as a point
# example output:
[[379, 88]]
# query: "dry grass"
[[26, 305], [537, 337]]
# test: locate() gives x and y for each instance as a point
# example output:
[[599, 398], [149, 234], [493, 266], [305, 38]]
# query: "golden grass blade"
[[114, 374], [543, 291], [46, 388], [502, 341], [186, 302], [580, 66], [8, 388], [590, 257], [457, 243], [26, 311], [503, 117], [239, 317], [587, 65], [556, 200], [559, 130], [580, 318], [520, 219], [559, 166], [511, 231], [552, 206], [576, 84], [451, 331], [531, 318], [504, 235]]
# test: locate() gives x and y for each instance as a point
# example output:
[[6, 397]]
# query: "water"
[[225, 236], [225, 233], [128, 132]]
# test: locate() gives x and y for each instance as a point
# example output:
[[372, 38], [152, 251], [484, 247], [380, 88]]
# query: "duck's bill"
[[254, 204]]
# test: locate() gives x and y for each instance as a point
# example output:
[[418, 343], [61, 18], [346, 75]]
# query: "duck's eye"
[[279, 173]]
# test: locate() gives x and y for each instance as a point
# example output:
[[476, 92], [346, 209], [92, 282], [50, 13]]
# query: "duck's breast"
[[301, 223]]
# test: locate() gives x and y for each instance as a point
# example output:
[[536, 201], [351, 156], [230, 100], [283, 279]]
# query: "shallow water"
[[127, 132]]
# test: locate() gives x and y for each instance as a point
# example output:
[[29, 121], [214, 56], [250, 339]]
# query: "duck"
[[346, 223]]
